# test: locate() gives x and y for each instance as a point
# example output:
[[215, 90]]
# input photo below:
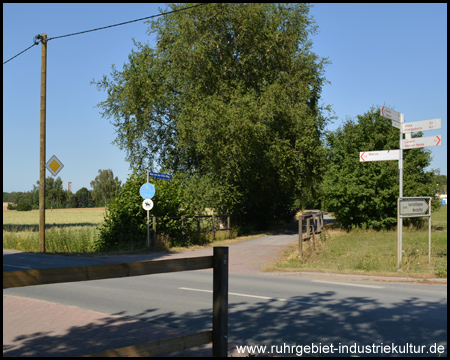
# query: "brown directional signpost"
[[406, 207]]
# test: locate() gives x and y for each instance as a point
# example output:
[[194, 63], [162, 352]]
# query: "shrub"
[[11, 206], [24, 206], [126, 220]]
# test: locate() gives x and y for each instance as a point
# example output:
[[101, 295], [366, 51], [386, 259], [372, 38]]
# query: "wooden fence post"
[[300, 236], [213, 228], [228, 226], [198, 228], [314, 222], [154, 232], [220, 302], [182, 229]]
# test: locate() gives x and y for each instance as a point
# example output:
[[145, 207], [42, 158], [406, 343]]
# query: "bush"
[[126, 221], [11, 206], [24, 206]]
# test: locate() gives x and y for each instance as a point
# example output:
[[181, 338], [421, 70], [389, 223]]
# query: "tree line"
[[104, 187]]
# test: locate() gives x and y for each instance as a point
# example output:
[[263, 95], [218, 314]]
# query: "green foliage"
[[229, 100], [82, 198], [365, 193], [126, 220], [11, 206], [55, 196], [105, 185], [24, 205]]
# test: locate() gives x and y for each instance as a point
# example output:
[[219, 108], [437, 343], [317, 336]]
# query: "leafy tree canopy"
[[365, 193], [105, 185], [229, 96]]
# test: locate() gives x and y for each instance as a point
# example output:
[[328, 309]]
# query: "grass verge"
[[373, 252]]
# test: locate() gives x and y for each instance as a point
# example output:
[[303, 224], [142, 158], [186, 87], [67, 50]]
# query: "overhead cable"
[[106, 27], [127, 22]]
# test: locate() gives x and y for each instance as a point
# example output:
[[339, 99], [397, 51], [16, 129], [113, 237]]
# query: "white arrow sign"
[[413, 207], [421, 142], [433, 124], [390, 114], [381, 155]]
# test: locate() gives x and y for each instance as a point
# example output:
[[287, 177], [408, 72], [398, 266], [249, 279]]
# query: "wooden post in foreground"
[[154, 232], [220, 302]]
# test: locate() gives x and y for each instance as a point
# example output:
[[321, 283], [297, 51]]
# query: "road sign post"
[[147, 204], [147, 191], [405, 207], [159, 176], [381, 155], [400, 179], [415, 143], [424, 125], [414, 207], [390, 114], [54, 165]]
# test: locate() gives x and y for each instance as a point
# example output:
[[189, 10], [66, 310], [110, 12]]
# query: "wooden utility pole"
[[42, 144]]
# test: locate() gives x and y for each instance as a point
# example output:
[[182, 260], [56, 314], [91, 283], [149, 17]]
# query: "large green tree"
[[105, 185], [82, 198], [365, 193], [54, 192], [229, 96]]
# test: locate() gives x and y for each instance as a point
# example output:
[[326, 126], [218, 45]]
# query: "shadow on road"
[[313, 318]]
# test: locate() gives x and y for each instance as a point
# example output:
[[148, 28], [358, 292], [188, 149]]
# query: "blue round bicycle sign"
[[147, 191]]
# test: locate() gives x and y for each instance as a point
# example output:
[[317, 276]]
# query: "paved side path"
[[25, 320]]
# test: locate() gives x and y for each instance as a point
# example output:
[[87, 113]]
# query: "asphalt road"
[[264, 308]]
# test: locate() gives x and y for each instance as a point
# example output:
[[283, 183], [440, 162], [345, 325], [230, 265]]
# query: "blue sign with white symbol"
[[147, 191], [160, 176]]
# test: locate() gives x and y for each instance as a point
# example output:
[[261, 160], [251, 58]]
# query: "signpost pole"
[[400, 175], [148, 223], [398, 121], [429, 232]]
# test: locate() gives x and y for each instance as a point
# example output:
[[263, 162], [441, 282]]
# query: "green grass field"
[[67, 230], [374, 252]]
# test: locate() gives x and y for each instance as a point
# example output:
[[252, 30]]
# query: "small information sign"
[[147, 191]]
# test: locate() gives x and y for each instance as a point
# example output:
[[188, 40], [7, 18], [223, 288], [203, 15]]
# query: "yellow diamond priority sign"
[[54, 165]]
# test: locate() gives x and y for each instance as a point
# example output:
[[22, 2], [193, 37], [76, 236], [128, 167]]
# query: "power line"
[[127, 22], [106, 27], [19, 53]]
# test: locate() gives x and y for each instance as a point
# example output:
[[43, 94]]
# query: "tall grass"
[[57, 240], [67, 231]]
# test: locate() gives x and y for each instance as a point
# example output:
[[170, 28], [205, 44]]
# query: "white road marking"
[[17, 266], [347, 284], [252, 296]]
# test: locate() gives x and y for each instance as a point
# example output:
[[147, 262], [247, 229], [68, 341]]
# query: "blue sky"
[[382, 54]]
